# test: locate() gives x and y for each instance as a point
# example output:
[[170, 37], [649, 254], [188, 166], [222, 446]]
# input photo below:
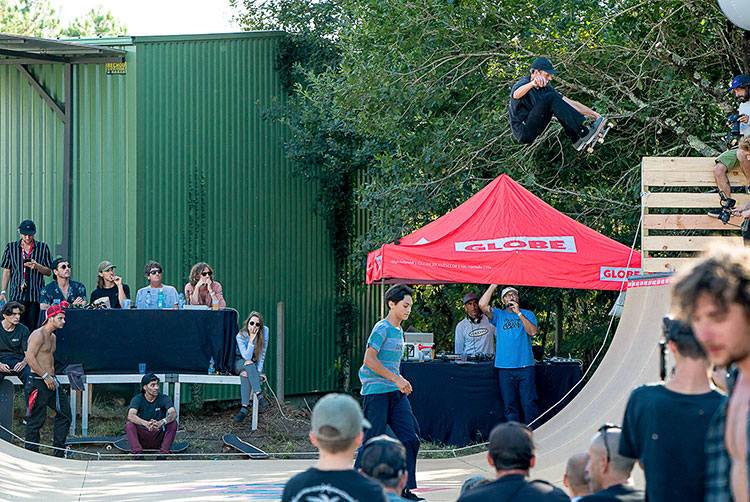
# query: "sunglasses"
[[204, 274], [253, 323], [154, 272], [603, 431], [64, 266]]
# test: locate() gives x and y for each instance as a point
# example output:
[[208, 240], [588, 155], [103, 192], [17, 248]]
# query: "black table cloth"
[[172, 341], [457, 404]]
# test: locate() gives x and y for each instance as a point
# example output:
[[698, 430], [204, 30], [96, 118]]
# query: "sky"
[[157, 17]]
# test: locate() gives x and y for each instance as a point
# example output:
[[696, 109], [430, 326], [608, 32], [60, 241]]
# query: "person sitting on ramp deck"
[[152, 419]]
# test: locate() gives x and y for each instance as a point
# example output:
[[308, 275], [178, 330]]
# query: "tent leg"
[[558, 324], [382, 298], [368, 307]]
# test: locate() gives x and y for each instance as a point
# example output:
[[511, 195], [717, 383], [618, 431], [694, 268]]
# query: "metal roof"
[[20, 49]]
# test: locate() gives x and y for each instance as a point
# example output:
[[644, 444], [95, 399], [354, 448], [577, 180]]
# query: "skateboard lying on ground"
[[253, 452], [94, 440], [599, 137], [123, 445]]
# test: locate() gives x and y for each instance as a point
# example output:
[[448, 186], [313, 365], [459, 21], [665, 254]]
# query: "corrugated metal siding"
[[104, 174], [31, 154], [214, 185]]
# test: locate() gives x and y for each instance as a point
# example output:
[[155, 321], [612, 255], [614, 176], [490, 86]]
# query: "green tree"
[[34, 18], [95, 23]]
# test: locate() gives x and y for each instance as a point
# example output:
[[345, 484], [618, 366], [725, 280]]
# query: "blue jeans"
[[515, 382], [12, 361], [394, 409]]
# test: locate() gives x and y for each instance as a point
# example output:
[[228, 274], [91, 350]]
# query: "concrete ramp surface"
[[631, 360]]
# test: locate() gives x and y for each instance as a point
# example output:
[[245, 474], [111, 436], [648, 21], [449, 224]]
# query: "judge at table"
[[474, 334]]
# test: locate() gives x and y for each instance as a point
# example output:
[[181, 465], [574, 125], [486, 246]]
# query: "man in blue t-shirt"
[[513, 356], [384, 390]]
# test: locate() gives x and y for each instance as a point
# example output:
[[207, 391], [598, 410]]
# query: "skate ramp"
[[631, 360]]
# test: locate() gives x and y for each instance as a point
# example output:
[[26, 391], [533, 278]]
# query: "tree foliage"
[[37, 18], [405, 104]]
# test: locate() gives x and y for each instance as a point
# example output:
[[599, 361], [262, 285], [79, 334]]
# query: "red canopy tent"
[[505, 235]]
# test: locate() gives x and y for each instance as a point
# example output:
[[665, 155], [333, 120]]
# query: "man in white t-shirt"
[[474, 334], [730, 159]]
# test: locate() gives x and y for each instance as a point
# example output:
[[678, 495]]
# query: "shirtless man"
[[42, 388], [714, 296]]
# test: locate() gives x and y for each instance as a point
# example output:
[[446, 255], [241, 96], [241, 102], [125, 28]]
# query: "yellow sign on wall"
[[116, 68]]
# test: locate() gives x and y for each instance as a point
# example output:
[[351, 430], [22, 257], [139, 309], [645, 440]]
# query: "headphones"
[[475, 321]]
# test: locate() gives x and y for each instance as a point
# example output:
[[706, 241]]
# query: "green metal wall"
[[31, 155], [214, 185]]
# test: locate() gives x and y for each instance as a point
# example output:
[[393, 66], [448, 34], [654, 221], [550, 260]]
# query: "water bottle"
[[181, 301], [160, 300], [211, 366], [215, 304], [149, 300]]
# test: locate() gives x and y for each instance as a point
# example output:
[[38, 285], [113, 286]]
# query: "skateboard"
[[6, 409], [251, 451], [123, 445], [108, 440], [599, 137]]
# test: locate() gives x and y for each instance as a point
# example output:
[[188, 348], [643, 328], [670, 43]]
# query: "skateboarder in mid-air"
[[533, 102]]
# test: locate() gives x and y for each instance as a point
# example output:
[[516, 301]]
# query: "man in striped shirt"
[[24, 263], [384, 390]]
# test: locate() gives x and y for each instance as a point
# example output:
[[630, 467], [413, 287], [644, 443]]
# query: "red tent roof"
[[505, 235]]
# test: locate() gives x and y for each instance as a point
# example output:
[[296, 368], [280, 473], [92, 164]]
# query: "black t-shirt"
[[112, 294], [666, 431], [14, 343], [515, 487], [619, 493], [518, 109], [315, 485], [151, 411]]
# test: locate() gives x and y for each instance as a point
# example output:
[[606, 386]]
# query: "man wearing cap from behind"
[[511, 453], [513, 356], [42, 388], [24, 263], [474, 334], [337, 423], [152, 419], [533, 102], [384, 459], [110, 285]]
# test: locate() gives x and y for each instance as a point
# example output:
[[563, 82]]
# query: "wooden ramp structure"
[[676, 192]]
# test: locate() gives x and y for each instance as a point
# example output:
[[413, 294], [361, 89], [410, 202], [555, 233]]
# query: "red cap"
[[53, 310]]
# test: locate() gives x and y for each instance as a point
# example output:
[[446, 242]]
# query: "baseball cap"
[[342, 413], [58, 261], [543, 64], [27, 227], [147, 379], [105, 265], [507, 290], [739, 81], [470, 296], [53, 310], [511, 446], [383, 457]]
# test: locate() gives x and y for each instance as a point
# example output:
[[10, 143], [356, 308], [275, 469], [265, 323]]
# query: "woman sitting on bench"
[[252, 343]]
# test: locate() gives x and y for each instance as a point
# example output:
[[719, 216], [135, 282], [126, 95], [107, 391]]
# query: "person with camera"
[[475, 334], [714, 297], [24, 263], [737, 156], [669, 420], [513, 356]]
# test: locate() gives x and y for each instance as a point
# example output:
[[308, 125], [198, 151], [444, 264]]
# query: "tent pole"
[[368, 307], [558, 324], [382, 298]]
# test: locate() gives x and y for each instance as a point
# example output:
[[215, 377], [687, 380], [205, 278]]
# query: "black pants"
[[30, 317], [541, 114], [38, 398]]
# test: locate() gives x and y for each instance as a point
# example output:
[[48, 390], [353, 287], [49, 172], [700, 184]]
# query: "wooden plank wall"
[[675, 194]]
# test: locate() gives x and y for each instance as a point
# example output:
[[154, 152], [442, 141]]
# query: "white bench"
[[169, 378]]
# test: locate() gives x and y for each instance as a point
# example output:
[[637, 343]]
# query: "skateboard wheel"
[[109, 446]]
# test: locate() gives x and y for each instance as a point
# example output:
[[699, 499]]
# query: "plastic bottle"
[[149, 299], [181, 301], [2, 303], [160, 300], [211, 366], [215, 304]]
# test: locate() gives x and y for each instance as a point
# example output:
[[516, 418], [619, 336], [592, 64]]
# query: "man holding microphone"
[[513, 356]]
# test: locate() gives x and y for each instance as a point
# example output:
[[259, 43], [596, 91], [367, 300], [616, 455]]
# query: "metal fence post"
[[280, 351]]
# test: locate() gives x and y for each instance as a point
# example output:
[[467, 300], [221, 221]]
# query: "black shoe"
[[240, 416], [409, 495], [715, 213], [262, 402]]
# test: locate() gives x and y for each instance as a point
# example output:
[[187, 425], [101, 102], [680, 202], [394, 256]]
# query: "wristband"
[[44, 377], [3, 292], [164, 420]]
